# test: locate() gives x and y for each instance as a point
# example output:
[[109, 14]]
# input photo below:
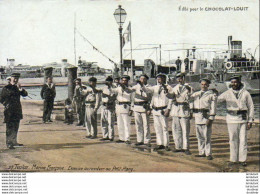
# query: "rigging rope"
[[86, 40]]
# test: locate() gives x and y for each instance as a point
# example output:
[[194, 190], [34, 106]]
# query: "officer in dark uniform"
[[10, 98], [48, 93], [178, 64]]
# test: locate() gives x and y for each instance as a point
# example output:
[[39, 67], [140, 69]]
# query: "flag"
[[126, 35]]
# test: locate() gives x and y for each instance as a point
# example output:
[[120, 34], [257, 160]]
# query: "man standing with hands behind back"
[[48, 93], [10, 98]]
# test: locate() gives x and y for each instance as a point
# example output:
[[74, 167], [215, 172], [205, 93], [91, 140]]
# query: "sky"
[[38, 32]]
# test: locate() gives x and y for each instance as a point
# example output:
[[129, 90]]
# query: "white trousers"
[[142, 127], [91, 121], [123, 125], [107, 123], [181, 132], [161, 129], [203, 133], [238, 141]]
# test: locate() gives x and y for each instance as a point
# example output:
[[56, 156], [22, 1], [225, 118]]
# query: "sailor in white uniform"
[[116, 82], [181, 114], [108, 98], [240, 116], [204, 104], [161, 105], [142, 111], [123, 110], [92, 102]]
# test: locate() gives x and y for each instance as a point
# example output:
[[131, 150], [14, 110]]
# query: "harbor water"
[[62, 94]]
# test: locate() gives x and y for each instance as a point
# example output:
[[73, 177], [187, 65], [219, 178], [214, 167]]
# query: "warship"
[[223, 66]]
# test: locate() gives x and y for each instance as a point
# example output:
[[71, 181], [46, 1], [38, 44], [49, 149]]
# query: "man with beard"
[[10, 98], [240, 117]]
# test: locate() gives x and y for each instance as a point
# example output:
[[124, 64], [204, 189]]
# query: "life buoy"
[[228, 65]]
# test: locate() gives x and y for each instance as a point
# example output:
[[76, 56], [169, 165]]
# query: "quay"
[[58, 147]]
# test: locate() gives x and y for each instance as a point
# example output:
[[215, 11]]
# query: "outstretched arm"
[[222, 97]]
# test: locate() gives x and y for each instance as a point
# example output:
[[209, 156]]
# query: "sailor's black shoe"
[[139, 143]]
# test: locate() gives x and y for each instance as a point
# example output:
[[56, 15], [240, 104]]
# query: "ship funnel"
[[236, 49], [188, 52], [64, 63]]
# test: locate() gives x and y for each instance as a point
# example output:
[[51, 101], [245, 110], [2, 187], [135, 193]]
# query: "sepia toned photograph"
[[129, 86]]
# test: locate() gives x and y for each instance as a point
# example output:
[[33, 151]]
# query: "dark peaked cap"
[[238, 77], [126, 76], [180, 75], [15, 75], [109, 79], [206, 80], [92, 79], [161, 75], [77, 79], [144, 75]]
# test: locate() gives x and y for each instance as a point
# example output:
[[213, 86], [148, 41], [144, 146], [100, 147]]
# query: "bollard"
[[47, 73], [72, 75]]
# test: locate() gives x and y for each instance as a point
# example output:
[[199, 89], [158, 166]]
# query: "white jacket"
[[109, 92], [243, 102], [140, 95], [123, 95], [160, 97], [205, 101], [182, 96], [91, 96]]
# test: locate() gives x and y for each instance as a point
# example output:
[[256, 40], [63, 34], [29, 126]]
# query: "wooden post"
[[47, 73], [72, 75]]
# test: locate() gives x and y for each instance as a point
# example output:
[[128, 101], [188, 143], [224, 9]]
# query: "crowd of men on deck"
[[118, 100]]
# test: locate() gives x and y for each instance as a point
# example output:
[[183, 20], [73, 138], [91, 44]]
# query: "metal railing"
[[245, 66]]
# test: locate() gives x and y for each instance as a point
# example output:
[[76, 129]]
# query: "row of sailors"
[[163, 101]]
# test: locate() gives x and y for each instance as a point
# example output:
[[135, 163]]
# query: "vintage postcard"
[[129, 86]]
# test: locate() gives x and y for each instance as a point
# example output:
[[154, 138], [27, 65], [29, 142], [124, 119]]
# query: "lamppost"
[[120, 16]]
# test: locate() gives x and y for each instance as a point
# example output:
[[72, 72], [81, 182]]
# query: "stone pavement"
[[57, 147]]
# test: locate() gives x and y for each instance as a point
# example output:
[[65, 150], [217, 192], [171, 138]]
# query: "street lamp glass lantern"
[[120, 15]]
